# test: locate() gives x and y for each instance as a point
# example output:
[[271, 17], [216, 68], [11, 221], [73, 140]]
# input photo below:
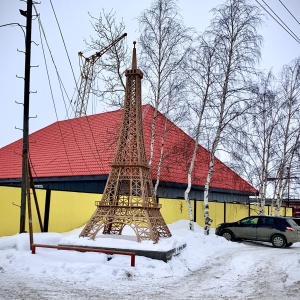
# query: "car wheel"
[[289, 245], [278, 241], [228, 235]]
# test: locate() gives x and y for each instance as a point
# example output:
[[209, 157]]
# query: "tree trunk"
[[160, 157], [153, 124], [207, 219], [188, 202]]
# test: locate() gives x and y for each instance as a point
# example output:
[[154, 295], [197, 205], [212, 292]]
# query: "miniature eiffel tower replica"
[[128, 197]]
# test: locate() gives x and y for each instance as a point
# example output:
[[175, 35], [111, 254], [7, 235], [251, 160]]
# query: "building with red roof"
[[75, 155]]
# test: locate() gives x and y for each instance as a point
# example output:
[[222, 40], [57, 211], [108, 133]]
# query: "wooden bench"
[[83, 249]]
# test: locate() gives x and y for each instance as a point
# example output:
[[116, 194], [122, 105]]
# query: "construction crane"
[[87, 77]]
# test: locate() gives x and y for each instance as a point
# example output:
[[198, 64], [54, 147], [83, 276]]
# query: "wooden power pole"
[[25, 164]]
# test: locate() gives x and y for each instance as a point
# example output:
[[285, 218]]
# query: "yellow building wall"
[[236, 211], [10, 202], [283, 210], [41, 197], [199, 213], [174, 209], [216, 212], [9, 213], [70, 210]]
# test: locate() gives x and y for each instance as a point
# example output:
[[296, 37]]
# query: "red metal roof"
[[86, 146]]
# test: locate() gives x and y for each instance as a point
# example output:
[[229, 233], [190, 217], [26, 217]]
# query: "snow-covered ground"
[[210, 267]]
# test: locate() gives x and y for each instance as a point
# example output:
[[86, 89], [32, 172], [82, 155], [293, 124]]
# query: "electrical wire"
[[56, 69], [287, 29], [282, 21], [71, 108], [62, 37], [65, 148], [70, 102], [290, 12], [61, 84], [51, 91]]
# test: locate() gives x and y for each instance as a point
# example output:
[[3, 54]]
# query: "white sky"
[[210, 267], [279, 49]]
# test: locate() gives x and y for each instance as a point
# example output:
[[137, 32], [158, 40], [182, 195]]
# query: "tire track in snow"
[[227, 274], [238, 275]]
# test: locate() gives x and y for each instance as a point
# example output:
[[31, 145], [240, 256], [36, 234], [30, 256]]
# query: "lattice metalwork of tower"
[[128, 197]]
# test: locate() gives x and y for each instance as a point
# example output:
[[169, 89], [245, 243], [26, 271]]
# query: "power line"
[[44, 34], [41, 29], [13, 24], [292, 33], [60, 130], [286, 28], [61, 85], [290, 12], [77, 92], [64, 45]]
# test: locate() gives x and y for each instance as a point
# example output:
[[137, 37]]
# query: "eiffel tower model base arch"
[[128, 197], [147, 224]]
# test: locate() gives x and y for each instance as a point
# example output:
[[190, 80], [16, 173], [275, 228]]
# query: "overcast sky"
[[279, 48]]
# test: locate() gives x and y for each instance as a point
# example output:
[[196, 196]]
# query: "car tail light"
[[289, 228]]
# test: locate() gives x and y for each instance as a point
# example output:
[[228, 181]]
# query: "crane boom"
[[87, 77]]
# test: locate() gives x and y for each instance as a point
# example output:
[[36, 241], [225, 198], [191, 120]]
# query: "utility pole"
[[25, 164]]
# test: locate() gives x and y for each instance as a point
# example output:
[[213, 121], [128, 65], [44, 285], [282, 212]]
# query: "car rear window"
[[294, 222], [282, 222]]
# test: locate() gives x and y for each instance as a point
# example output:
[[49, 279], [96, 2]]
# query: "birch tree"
[[200, 69], [109, 69], [234, 27], [288, 138], [176, 93], [254, 140], [164, 44]]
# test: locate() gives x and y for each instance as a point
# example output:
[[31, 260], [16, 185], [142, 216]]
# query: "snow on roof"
[[86, 146]]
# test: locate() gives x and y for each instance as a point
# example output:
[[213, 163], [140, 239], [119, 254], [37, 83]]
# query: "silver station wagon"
[[280, 231]]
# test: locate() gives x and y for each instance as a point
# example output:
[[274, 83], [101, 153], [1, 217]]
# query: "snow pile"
[[210, 265], [124, 241]]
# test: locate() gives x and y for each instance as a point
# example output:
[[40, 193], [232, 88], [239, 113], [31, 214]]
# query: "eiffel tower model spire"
[[128, 197]]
